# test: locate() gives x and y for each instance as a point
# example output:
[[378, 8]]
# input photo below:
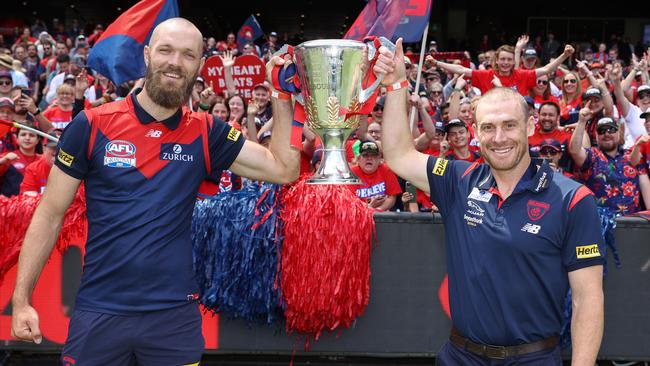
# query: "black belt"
[[501, 352]]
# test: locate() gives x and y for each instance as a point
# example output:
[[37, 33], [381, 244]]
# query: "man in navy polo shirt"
[[142, 160], [518, 236]]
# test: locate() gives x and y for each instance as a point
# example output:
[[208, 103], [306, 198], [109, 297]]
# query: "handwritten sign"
[[247, 72]]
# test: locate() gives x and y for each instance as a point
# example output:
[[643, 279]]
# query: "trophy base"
[[334, 169], [333, 180]]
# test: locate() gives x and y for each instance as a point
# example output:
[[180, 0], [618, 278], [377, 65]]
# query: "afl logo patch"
[[119, 154]]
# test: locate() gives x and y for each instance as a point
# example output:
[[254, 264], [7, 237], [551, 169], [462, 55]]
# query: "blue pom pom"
[[607, 229], [237, 244]]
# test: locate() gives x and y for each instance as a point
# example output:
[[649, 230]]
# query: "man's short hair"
[[501, 93], [553, 104]]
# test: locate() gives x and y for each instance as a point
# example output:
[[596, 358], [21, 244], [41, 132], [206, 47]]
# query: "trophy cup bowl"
[[331, 72]]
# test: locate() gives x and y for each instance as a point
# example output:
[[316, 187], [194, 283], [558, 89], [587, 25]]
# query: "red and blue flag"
[[392, 19], [379, 18], [414, 20], [118, 54], [249, 32]]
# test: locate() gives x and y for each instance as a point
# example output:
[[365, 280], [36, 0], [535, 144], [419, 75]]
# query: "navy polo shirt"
[[141, 178], [508, 260]]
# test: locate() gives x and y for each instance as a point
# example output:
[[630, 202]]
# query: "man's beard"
[[172, 97]]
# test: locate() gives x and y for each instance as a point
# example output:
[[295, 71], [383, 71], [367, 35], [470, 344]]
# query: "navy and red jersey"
[[614, 180], [508, 260], [141, 177]]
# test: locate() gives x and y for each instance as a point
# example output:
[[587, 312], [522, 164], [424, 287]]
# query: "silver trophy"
[[331, 72]]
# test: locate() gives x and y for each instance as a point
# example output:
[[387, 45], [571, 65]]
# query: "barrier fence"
[[405, 316]]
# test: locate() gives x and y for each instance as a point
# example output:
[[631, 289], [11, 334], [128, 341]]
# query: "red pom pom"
[[15, 216], [325, 257]]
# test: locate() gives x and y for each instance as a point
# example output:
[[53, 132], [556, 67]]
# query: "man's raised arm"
[[397, 142], [553, 65]]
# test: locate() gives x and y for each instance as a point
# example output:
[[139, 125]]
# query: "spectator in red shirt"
[[13, 163], [25, 37], [503, 72], [97, 34], [548, 128], [571, 100], [35, 175], [601, 55], [541, 92], [380, 186], [60, 113]]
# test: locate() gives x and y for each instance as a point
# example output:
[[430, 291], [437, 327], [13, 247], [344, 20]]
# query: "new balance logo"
[[153, 133], [530, 228]]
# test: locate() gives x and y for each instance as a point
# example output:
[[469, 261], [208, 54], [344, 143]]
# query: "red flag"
[[5, 127], [379, 18]]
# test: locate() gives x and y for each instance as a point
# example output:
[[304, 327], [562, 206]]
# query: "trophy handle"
[[373, 49]]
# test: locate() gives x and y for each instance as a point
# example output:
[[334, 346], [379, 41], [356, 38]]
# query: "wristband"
[[204, 107], [397, 86], [280, 95], [38, 111]]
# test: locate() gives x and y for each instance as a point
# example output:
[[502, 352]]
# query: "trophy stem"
[[334, 167]]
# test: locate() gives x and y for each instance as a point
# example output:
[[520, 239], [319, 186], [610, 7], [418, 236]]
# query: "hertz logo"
[[439, 168], [587, 251], [65, 158], [233, 134]]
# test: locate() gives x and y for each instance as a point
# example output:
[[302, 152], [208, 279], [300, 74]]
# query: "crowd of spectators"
[[590, 109]]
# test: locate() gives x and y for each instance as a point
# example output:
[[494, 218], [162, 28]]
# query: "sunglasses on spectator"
[[431, 79], [570, 81], [547, 152], [643, 95], [542, 82], [378, 108], [5, 82], [436, 92], [609, 130]]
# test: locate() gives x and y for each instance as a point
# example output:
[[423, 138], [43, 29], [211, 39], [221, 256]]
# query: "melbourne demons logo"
[[120, 154], [536, 210], [246, 32]]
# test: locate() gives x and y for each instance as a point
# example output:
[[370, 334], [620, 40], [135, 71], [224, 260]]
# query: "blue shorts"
[[452, 355], [166, 337]]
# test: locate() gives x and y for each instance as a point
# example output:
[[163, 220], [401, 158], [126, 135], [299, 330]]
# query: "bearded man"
[[142, 160]]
